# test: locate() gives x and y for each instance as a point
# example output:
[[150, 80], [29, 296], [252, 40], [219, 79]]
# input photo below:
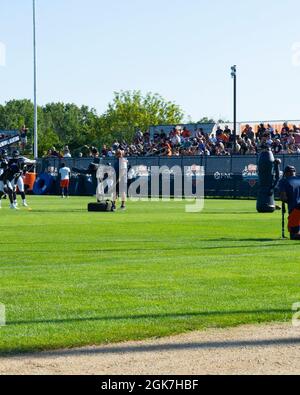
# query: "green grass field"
[[72, 278]]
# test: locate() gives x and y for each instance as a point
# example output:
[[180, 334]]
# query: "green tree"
[[62, 124], [206, 120], [132, 110], [74, 126], [211, 120], [16, 113]]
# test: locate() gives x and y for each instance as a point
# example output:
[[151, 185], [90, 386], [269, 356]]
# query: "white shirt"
[[176, 140], [64, 173], [123, 164]]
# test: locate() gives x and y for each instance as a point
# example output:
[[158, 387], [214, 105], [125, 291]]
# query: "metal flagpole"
[[35, 85]]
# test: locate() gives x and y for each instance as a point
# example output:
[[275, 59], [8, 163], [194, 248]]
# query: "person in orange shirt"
[[224, 138]]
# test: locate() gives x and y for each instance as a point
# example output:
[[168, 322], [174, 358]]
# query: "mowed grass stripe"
[[71, 278]]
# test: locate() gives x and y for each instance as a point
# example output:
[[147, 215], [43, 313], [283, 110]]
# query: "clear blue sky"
[[182, 49]]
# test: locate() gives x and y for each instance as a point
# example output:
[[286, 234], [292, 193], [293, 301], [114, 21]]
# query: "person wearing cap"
[[289, 188]]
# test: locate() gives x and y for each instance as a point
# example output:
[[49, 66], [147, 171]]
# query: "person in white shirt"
[[121, 168], [213, 139], [67, 153], [65, 174]]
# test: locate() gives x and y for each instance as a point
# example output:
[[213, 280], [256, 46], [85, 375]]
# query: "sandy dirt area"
[[262, 349]]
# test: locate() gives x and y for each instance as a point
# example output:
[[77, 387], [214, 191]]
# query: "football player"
[[3, 168], [19, 165]]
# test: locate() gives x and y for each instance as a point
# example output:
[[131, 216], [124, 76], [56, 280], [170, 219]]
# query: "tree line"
[[61, 124]]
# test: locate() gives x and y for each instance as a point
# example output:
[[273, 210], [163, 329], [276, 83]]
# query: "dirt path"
[[271, 349]]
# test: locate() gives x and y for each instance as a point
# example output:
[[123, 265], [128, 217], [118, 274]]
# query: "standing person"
[[3, 168], [67, 153], [65, 174], [3, 161], [290, 193], [16, 162], [23, 135], [120, 167], [7, 183]]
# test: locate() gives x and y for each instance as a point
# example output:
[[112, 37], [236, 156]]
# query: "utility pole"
[[233, 75], [35, 84]]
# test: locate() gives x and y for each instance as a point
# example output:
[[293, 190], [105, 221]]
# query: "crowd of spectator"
[[183, 142], [66, 153]]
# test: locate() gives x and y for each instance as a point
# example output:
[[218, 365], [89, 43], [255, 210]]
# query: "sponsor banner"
[[250, 175], [220, 176], [9, 141]]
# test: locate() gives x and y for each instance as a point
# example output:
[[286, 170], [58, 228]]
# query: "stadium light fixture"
[[35, 83], [234, 76]]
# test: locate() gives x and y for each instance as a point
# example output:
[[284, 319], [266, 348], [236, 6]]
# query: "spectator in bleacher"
[[54, 153], [219, 132], [67, 153], [251, 134], [277, 135], [271, 130], [227, 130], [180, 141], [285, 129], [104, 151], [186, 133], [213, 139], [176, 140], [261, 131], [24, 137]]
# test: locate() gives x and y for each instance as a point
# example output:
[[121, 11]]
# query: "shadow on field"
[[145, 250], [225, 212], [57, 211], [148, 317], [172, 347], [232, 239]]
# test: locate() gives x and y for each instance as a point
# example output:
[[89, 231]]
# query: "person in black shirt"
[[3, 161], [3, 168], [261, 131], [6, 183], [277, 147], [18, 179], [23, 135]]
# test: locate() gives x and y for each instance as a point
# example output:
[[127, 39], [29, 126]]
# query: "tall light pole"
[[35, 84], [233, 75]]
